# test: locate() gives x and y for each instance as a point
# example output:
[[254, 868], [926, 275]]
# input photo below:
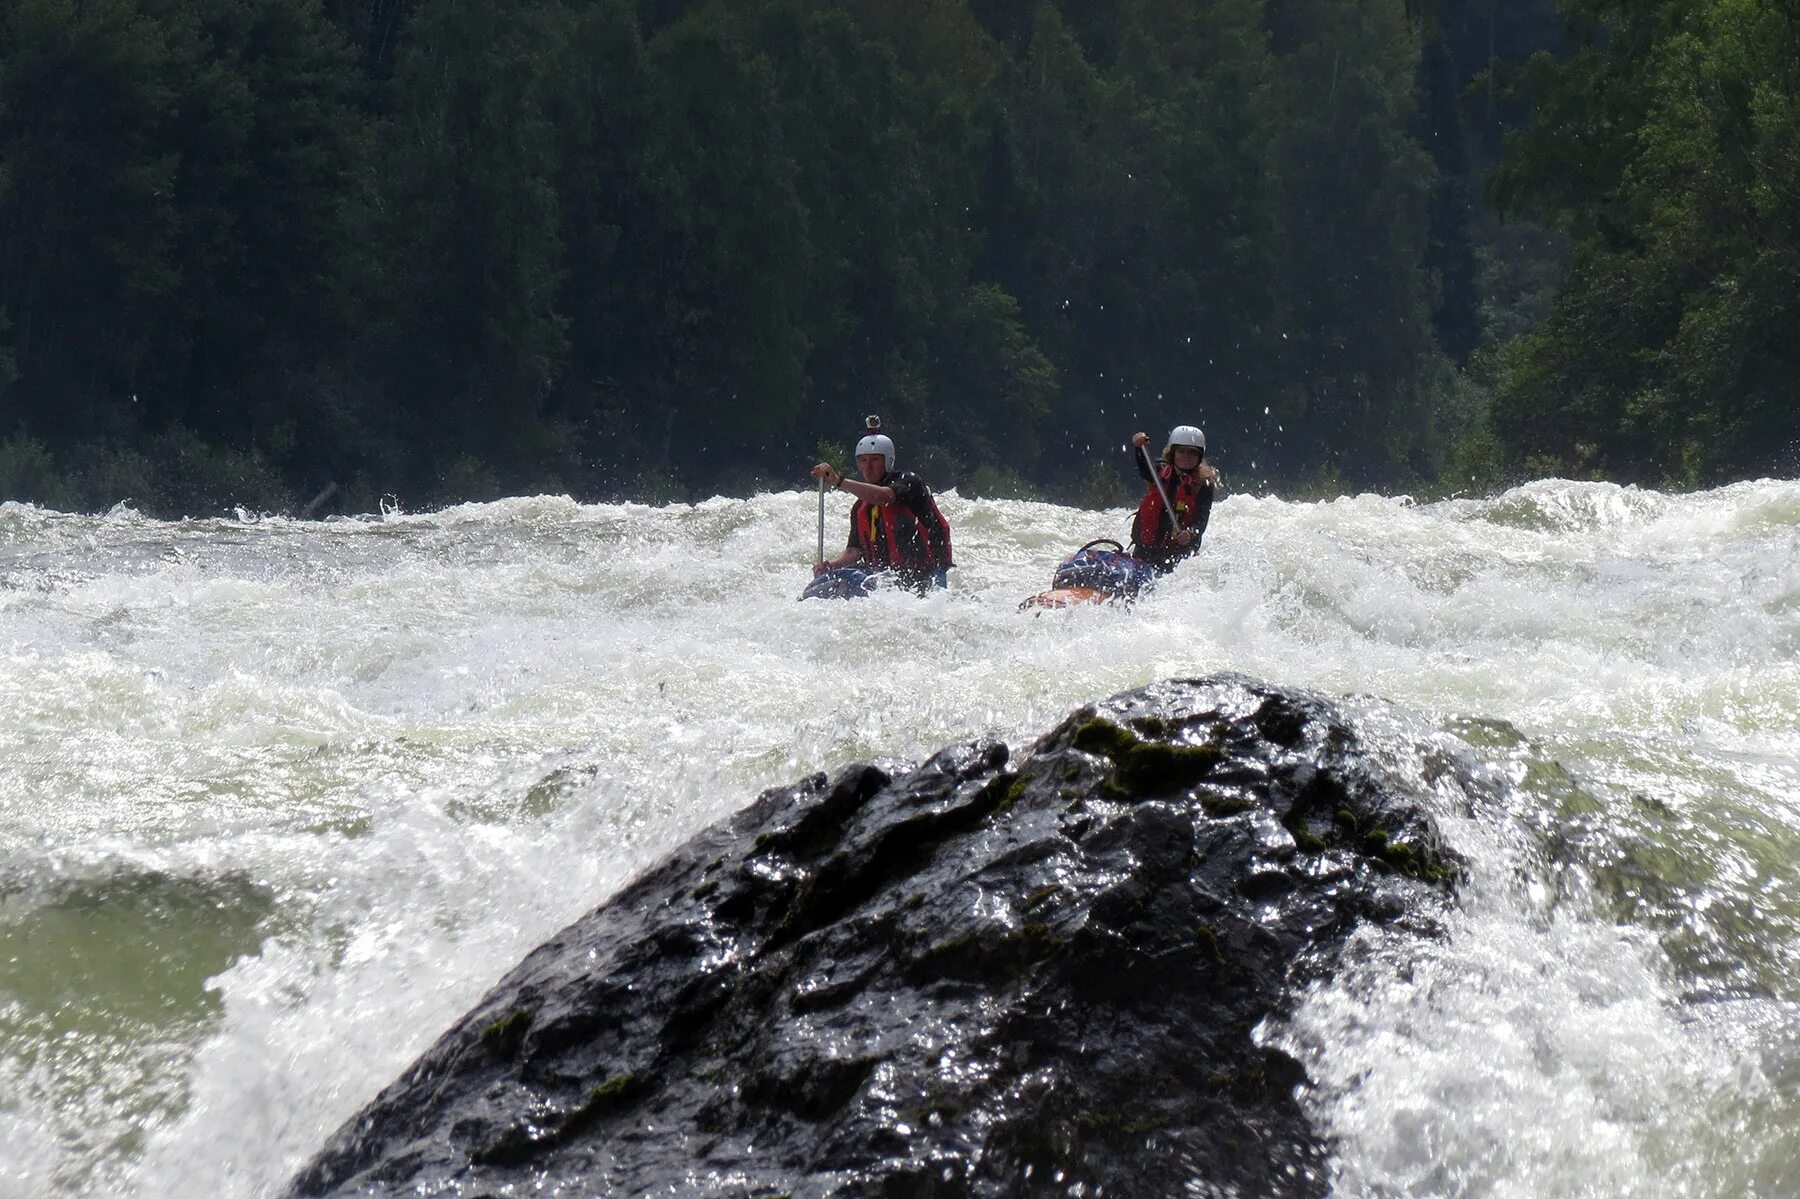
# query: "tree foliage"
[[447, 248], [1668, 146]]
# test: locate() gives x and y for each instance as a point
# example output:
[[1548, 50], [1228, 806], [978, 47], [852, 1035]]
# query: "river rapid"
[[280, 800]]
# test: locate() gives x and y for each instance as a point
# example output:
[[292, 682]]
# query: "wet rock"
[[982, 976]]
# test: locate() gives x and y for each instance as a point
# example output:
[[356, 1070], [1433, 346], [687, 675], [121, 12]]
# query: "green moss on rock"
[[1145, 767], [505, 1035], [1208, 938], [1152, 726], [1103, 737], [1138, 1128], [1220, 804], [608, 1097], [1410, 860], [1309, 843]]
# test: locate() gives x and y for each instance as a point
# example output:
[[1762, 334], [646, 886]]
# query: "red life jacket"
[[894, 537], [1150, 530]]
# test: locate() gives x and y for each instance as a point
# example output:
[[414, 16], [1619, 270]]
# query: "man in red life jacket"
[[1157, 538], [896, 525]]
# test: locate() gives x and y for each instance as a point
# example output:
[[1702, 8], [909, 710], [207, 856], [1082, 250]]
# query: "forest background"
[[665, 249]]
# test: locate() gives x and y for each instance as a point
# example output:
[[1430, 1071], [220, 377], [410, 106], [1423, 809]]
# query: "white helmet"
[[1189, 436], [877, 443]]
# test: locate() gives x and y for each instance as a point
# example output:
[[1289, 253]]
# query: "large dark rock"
[[970, 978]]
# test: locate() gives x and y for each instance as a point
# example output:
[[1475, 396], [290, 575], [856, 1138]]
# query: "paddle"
[[821, 556], [1160, 490]]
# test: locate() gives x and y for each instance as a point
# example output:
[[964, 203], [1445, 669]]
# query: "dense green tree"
[[615, 182], [176, 235], [1467, 47], [736, 261], [8, 371], [1128, 203], [876, 112], [454, 248], [468, 231], [988, 368], [182, 172], [1668, 145], [87, 238]]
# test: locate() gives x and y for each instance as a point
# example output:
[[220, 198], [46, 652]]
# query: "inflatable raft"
[[1100, 572], [845, 582]]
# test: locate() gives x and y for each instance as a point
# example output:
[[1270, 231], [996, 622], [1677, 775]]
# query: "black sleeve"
[[909, 490], [1143, 463], [1202, 512]]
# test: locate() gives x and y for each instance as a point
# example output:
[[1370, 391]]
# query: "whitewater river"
[[279, 801]]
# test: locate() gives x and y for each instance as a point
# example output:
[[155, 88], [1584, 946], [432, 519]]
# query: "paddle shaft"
[[821, 556], [1160, 490]]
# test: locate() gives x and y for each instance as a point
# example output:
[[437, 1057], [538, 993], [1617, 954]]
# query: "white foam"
[[433, 738]]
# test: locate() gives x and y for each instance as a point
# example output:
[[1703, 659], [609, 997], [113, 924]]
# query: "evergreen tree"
[[469, 232], [175, 226], [1667, 146], [455, 248]]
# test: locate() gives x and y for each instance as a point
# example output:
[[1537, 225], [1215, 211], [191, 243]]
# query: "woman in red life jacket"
[[1157, 538], [895, 525]]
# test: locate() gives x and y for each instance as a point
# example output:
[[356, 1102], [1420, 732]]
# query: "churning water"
[[278, 801]]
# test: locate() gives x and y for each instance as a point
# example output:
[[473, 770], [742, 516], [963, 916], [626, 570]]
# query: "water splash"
[[391, 755]]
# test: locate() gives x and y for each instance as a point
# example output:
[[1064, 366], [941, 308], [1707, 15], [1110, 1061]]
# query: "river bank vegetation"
[[453, 249]]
